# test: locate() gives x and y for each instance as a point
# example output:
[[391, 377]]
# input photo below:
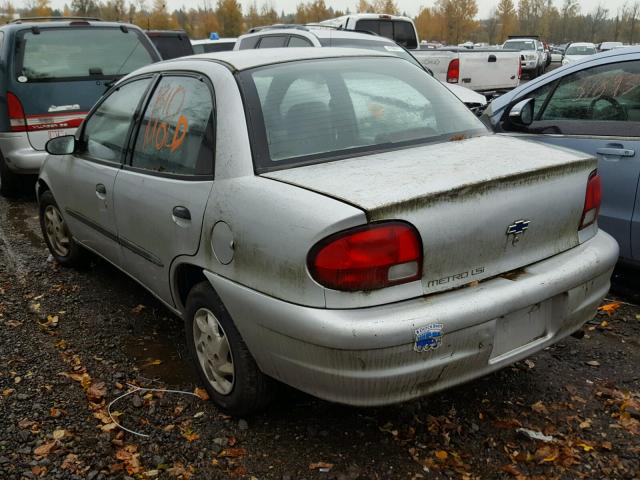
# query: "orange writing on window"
[[165, 116]]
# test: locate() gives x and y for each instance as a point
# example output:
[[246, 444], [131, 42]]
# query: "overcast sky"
[[410, 6]]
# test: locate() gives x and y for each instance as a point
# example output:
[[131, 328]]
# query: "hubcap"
[[57, 231], [214, 354]]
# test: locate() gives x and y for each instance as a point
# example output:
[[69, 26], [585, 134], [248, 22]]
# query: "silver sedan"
[[332, 219]]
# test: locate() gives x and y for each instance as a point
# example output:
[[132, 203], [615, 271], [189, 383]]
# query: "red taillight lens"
[[519, 69], [453, 72], [17, 118], [367, 258], [592, 200]]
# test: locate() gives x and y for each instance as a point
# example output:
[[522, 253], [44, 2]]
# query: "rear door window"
[[299, 42], [80, 53], [176, 135]]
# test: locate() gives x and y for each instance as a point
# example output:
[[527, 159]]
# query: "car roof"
[[319, 32], [207, 41], [252, 58], [582, 44], [64, 23]]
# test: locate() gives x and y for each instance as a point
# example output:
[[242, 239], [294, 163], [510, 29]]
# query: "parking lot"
[[74, 341]]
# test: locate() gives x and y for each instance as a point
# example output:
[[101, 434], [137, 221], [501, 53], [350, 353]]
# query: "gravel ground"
[[71, 342]]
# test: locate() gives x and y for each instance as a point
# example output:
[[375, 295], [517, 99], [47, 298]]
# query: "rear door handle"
[[618, 152], [182, 212], [101, 191]]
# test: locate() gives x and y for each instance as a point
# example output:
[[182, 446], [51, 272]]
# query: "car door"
[[89, 175], [597, 110], [162, 191]]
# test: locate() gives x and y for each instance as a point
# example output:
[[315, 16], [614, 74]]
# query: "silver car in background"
[[330, 218]]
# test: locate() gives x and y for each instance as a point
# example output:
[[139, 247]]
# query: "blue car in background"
[[592, 106], [53, 71]]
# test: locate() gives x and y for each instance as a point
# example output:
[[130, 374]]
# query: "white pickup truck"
[[489, 71]]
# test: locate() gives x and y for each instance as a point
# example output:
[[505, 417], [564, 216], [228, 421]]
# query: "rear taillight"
[[453, 72], [38, 122], [519, 69], [592, 200], [367, 258], [17, 120]]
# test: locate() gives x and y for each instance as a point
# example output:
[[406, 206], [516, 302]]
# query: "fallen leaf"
[[70, 462], [190, 435], [585, 446], [17, 380], [609, 308], [108, 427], [8, 391], [97, 391], [152, 362], [202, 393], [511, 470], [45, 449], [319, 465], [529, 363], [441, 455], [151, 473], [540, 408], [232, 453], [607, 446], [13, 323], [130, 458], [59, 434], [38, 470], [593, 363], [586, 424]]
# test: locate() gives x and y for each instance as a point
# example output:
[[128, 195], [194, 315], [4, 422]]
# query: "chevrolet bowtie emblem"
[[516, 229]]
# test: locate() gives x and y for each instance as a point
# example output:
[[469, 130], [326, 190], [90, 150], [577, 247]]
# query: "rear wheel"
[[223, 361], [9, 181], [57, 235]]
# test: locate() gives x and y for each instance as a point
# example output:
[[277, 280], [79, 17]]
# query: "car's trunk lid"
[[464, 197]]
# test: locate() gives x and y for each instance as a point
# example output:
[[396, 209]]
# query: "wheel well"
[[187, 276], [42, 187]]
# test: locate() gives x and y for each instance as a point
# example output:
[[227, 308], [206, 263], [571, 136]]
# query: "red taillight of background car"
[[519, 69], [17, 120], [592, 200], [453, 72], [367, 258]]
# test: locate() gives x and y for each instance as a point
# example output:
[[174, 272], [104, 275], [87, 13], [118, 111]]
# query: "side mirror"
[[64, 145], [521, 114]]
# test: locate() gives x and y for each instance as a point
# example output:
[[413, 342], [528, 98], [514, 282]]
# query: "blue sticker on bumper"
[[428, 337]]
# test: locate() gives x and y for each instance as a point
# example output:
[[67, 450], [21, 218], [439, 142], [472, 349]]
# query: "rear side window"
[[79, 53], [299, 42], [272, 41], [218, 47], [176, 134], [172, 46]]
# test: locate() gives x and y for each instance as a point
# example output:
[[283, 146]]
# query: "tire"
[[9, 181], [244, 391], [67, 253]]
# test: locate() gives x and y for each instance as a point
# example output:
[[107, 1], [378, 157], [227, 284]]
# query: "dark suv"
[[54, 71]]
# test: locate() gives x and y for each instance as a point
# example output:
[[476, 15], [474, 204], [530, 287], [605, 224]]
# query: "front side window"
[[176, 132], [606, 93], [318, 110], [105, 131], [79, 53]]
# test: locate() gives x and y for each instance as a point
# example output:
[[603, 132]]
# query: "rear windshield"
[[400, 31], [580, 50], [320, 110], [172, 46], [520, 45], [80, 53]]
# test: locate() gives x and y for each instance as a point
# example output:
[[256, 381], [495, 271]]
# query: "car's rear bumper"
[[18, 153], [367, 356]]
